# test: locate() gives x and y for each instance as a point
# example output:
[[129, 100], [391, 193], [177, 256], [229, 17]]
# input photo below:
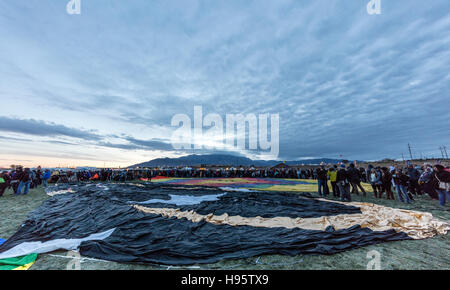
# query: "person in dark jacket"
[[426, 182], [322, 180], [4, 182], [386, 180], [375, 182], [39, 175], [25, 182], [414, 176], [442, 183], [342, 180], [362, 174], [355, 179], [401, 183], [15, 179]]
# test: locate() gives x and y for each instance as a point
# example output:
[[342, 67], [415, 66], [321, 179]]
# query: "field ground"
[[413, 254]]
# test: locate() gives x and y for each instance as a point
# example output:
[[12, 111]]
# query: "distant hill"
[[226, 160]]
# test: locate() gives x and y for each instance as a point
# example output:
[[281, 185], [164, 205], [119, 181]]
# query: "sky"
[[101, 88]]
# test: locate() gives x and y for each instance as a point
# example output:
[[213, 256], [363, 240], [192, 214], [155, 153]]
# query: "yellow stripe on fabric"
[[24, 267], [165, 179]]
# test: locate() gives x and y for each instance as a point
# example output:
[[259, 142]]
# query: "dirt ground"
[[414, 254]]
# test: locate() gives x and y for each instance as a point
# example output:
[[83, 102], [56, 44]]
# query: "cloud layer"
[[343, 82], [41, 128]]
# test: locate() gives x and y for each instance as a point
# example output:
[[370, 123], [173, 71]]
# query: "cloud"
[[41, 128], [150, 144], [15, 139]]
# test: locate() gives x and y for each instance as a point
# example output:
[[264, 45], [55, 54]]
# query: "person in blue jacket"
[[46, 177]]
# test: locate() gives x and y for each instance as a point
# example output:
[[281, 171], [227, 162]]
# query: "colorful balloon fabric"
[[18, 263], [265, 184]]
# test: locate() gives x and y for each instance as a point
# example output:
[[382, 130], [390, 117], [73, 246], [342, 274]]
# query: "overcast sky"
[[102, 87]]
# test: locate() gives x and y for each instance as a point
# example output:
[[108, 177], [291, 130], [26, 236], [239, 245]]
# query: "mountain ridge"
[[226, 160]]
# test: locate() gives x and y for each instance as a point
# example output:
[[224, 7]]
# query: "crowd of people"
[[21, 180], [344, 179], [406, 182]]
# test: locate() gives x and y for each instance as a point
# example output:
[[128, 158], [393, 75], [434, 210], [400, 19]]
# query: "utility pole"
[[403, 157], [442, 151], [409, 148]]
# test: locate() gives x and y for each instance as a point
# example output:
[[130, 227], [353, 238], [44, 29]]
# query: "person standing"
[[401, 186], [39, 175], [46, 177], [3, 183], [33, 179], [374, 179], [342, 180], [426, 182], [25, 182], [386, 180], [368, 171], [355, 179], [15, 178], [322, 181], [414, 176], [442, 183], [362, 174], [332, 175]]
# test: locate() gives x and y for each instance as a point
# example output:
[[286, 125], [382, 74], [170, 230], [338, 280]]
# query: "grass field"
[[414, 254]]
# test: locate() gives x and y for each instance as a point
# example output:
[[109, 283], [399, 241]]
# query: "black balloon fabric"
[[151, 238]]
